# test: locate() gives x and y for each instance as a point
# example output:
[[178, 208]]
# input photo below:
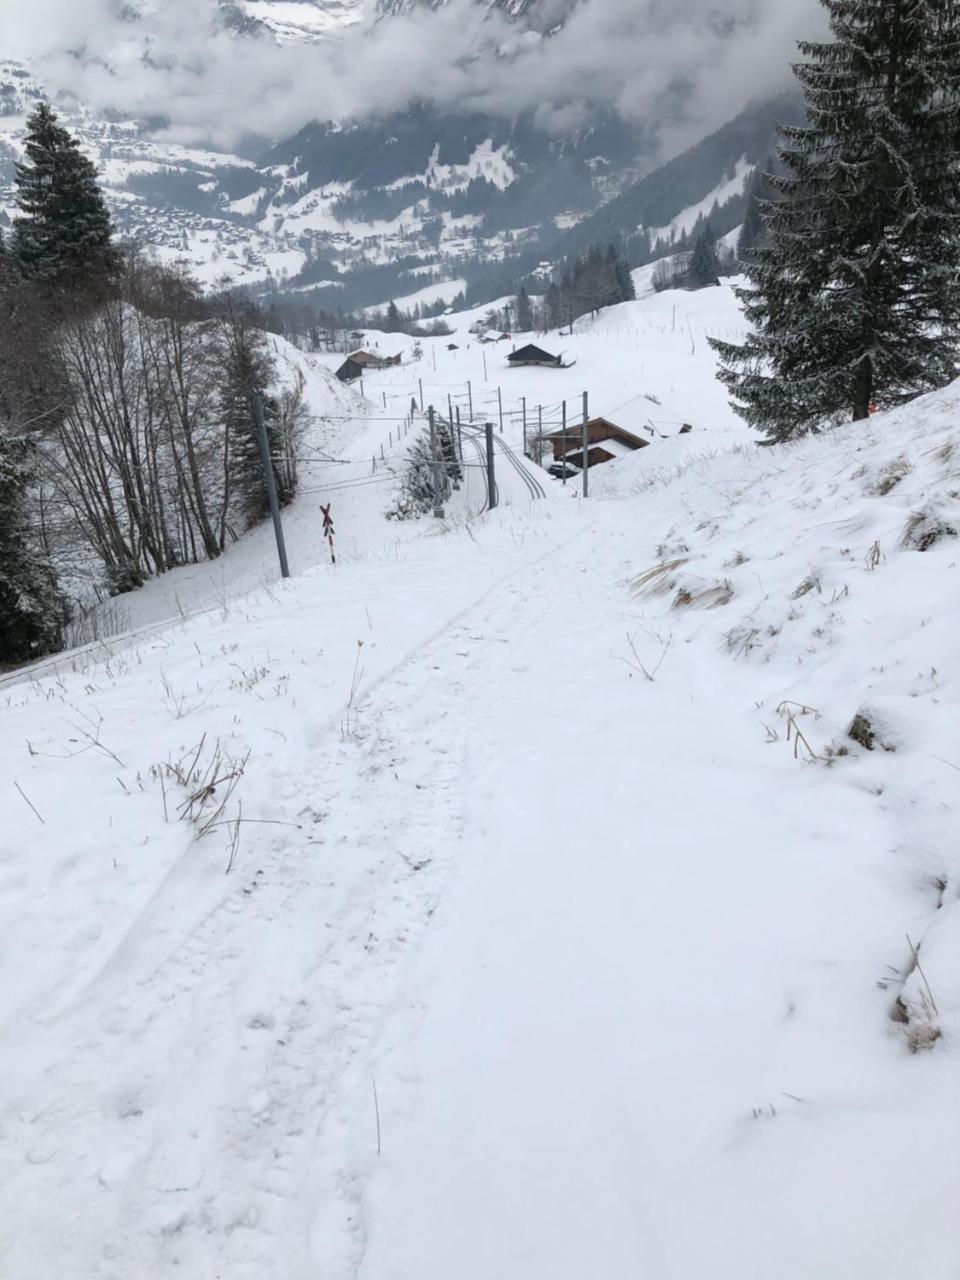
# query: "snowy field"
[[510, 898]]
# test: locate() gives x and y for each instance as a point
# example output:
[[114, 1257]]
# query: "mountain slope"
[[448, 1012]]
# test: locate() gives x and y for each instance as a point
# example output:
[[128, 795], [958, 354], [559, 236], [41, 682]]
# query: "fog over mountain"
[[212, 71]]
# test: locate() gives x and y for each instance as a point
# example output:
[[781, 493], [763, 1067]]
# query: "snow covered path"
[[632, 1047], [527, 965]]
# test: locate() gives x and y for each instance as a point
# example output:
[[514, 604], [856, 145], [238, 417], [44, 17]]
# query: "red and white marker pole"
[[328, 529]]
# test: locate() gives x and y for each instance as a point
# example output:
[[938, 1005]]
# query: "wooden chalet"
[[626, 429], [531, 354], [606, 441]]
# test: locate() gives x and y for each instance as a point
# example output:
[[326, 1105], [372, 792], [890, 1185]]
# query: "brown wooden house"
[[606, 441]]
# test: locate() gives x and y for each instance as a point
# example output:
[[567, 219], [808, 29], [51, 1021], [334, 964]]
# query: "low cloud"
[[683, 63]]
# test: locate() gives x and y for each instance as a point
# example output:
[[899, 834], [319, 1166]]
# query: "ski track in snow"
[[297, 1014]]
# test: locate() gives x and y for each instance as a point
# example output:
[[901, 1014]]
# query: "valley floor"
[[542, 945]]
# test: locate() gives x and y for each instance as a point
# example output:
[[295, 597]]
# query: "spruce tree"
[[625, 291], [753, 230], [704, 266], [63, 234], [524, 311], [32, 611], [248, 372], [855, 300]]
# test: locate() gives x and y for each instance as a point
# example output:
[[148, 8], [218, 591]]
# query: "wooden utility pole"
[[435, 453], [271, 484], [586, 447]]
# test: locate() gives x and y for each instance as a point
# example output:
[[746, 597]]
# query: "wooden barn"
[[358, 362], [534, 355]]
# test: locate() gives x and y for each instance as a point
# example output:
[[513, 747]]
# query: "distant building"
[[531, 354], [358, 362]]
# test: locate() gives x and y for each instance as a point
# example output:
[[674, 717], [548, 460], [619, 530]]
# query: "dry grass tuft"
[[925, 529], [651, 579], [891, 475]]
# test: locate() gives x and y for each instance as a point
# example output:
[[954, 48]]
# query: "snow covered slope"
[[553, 923]]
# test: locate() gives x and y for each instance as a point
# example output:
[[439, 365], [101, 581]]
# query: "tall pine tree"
[[855, 299], [753, 230], [524, 311], [704, 266], [32, 612], [63, 234]]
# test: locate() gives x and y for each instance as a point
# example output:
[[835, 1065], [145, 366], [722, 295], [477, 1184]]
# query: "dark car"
[[560, 469]]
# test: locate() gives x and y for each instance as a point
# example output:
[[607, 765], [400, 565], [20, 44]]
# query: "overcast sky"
[[630, 54]]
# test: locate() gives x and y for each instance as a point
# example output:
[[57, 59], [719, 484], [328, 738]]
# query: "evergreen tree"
[[623, 288], [704, 268], [392, 322], [63, 234], [552, 314], [856, 297], [248, 372], [753, 230], [524, 311], [32, 611]]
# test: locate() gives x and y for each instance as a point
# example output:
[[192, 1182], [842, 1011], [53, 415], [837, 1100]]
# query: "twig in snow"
[[793, 729], [357, 676], [29, 802], [638, 664], [915, 951], [376, 1109], [235, 840]]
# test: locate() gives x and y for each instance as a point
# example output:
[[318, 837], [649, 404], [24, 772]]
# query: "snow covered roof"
[[616, 448], [644, 416]]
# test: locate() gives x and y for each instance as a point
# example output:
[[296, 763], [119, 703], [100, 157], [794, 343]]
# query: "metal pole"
[[420, 380], [524, 399], [271, 484], [484, 354], [586, 446], [500, 408], [450, 409], [491, 481], [435, 452], [459, 435], [540, 434], [563, 444], [470, 400]]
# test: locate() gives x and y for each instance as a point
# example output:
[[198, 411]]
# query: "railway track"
[[534, 487]]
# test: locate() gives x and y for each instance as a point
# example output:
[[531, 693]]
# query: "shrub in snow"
[[925, 529], [416, 496]]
